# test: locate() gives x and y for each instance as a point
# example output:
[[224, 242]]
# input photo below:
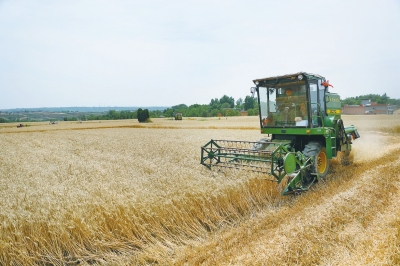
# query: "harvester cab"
[[302, 120]]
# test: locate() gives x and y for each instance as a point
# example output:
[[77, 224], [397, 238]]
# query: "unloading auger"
[[303, 122]]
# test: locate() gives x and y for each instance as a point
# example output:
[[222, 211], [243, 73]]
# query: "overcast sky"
[[164, 53]]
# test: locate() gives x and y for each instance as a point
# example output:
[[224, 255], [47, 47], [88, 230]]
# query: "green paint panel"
[[294, 131], [289, 163]]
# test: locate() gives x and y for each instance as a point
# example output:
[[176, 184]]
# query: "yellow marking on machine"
[[333, 112]]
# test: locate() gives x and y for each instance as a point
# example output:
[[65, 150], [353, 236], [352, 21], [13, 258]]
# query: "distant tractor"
[[178, 116], [303, 122]]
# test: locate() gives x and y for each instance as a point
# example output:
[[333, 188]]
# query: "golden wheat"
[[71, 195], [129, 193]]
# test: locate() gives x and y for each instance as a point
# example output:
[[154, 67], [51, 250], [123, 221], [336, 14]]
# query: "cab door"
[[317, 95]]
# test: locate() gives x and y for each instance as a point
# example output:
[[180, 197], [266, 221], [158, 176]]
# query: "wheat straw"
[[120, 192]]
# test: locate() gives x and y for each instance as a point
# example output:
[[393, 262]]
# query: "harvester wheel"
[[321, 161]]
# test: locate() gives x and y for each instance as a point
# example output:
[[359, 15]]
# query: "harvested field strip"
[[324, 226], [395, 129], [396, 252]]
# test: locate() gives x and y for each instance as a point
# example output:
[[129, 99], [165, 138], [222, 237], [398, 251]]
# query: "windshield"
[[284, 105]]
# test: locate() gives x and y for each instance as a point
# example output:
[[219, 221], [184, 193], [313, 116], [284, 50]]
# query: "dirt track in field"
[[351, 219]]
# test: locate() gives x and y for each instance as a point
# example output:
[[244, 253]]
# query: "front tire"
[[321, 162]]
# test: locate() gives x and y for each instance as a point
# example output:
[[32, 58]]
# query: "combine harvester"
[[178, 116], [303, 122]]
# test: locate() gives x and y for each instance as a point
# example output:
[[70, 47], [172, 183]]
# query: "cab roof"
[[287, 78]]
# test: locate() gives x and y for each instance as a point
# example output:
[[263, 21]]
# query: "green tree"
[[228, 100], [214, 112], [113, 115], [232, 112], [140, 115], [181, 106], [168, 112], [385, 99], [156, 113], [143, 115], [239, 104], [82, 117], [248, 103], [252, 112], [124, 114], [215, 104], [225, 105], [146, 114]]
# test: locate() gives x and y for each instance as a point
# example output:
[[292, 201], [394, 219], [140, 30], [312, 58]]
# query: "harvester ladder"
[[333, 141]]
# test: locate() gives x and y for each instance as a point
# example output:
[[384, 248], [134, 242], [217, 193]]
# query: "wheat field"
[[124, 193]]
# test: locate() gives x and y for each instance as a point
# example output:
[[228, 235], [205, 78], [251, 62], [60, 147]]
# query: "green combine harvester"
[[303, 122], [178, 116]]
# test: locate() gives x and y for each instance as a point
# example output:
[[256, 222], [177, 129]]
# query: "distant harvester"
[[178, 116]]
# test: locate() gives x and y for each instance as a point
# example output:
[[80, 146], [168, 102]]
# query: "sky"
[[164, 53]]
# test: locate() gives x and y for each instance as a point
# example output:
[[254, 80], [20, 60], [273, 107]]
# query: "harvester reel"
[[262, 144]]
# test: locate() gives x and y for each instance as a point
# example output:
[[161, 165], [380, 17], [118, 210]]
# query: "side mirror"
[[327, 99], [252, 91]]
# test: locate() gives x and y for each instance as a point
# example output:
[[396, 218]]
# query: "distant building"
[[353, 110], [365, 102], [368, 108], [380, 109]]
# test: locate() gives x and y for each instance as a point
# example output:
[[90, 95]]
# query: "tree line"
[[224, 106], [379, 99]]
